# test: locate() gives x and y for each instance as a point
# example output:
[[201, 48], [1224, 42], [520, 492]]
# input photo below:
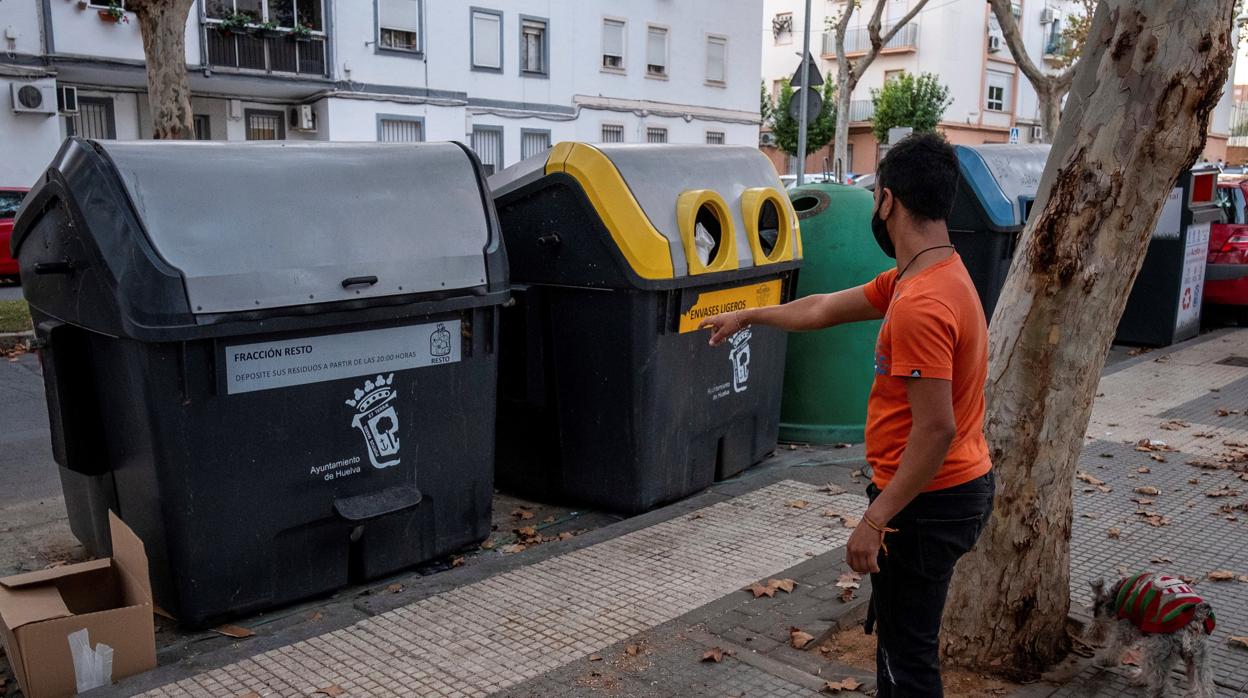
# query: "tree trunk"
[[1050, 112], [840, 158], [162, 24], [1149, 77]]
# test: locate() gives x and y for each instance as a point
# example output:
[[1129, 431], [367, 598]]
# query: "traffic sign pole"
[[804, 120]]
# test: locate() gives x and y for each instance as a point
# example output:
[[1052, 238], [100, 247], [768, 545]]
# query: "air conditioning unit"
[[767, 138], [303, 118], [67, 100], [1037, 134], [33, 99], [995, 42], [1048, 15]]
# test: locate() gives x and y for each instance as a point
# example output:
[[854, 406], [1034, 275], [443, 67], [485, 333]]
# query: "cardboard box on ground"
[[111, 599]]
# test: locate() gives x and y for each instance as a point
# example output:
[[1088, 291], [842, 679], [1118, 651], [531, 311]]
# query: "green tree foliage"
[[764, 102], [906, 100], [818, 132]]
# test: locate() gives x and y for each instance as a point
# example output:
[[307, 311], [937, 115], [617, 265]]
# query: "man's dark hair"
[[922, 173]]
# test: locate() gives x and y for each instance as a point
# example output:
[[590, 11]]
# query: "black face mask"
[[880, 230]]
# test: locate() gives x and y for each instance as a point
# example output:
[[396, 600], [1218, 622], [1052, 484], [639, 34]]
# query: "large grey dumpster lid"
[[253, 226], [1002, 175]]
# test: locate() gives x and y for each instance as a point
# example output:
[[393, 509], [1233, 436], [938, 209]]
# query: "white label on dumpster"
[[1169, 223], [268, 365], [1194, 258]]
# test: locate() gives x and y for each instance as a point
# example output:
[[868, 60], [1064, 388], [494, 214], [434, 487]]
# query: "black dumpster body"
[[996, 185], [1165, 302], [276, 363], [609, 394]]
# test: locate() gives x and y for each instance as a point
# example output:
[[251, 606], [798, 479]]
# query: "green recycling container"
[[829, 373]]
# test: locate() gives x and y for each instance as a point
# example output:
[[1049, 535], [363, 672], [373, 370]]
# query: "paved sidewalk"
[[630, 608]]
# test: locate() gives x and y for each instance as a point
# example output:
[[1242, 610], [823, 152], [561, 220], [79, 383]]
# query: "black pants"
[[908, 593]]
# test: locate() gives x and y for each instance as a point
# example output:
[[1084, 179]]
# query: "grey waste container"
[[1165, 302], [996, 185], [275, 362]]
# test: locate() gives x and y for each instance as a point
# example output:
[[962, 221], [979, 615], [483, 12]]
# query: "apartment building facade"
[[510, 78], [958, 40]]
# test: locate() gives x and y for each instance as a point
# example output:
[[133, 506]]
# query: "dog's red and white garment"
[[1157, 603]]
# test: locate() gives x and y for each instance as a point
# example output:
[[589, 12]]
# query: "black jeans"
[[908, 593]]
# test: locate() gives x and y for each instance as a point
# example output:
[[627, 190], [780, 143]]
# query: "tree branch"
[[878, 42], [1014, 39]]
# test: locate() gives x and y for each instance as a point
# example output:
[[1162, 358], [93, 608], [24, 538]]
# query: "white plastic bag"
[[93, 668], [703, 243]]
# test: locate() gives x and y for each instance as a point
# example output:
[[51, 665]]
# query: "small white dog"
[[1165, 618]]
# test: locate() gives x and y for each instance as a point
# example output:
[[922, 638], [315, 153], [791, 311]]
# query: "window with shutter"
[[395, 130], [533, 46], [613, 44], [487, 143], [656, 51], [398, 24], [487, 40], [716, 53], [612, 133], [533, 142], [715, 137], [656, 134]]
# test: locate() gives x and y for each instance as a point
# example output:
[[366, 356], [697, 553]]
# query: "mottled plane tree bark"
[[162, 24]]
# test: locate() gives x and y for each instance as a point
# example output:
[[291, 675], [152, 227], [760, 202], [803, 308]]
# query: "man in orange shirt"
[[931, 485]]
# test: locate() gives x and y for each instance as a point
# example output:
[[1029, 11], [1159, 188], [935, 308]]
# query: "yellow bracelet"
[[882, 529]]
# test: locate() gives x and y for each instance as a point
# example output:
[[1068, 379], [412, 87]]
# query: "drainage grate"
[[1241, 361]]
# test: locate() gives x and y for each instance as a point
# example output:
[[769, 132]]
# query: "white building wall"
[[21, 20], [25, 139], [82, 32]]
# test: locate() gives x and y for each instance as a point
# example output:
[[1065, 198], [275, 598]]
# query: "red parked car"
[[10, 200], [1226, 270]]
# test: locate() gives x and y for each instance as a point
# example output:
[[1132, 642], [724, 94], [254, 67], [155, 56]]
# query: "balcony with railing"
[[269, 51], [861, 110], [858, 40]]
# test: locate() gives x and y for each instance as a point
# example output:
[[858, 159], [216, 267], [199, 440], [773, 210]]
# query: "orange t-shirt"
[[933, 327]]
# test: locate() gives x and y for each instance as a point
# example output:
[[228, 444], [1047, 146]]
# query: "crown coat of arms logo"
[[377, 420]]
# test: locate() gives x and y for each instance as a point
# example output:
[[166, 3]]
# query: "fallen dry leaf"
[[248, 694], [850, 521], [1204, 435], [799, 639], [595, 657], [1187, 579], [1235, 444], [1161, 560], [714, 654], [522, 513], [1225, 413], [1142, 501], [1157, 520], [234, 631], [1224, 491], [331, 690], [1243, 578], [759, 590], [847, 595], [797, 504], [457, 562], [566, 535], [488, 544], [1148, 490], [315, 616], [785, 585], [1114, 532], [1207, 464], [1091, 515], [394, 588], [1143, 469], [513, 548], [1157, 457], [1152, 445], [1089, 478], [832, 489], [549, 519], [632, 650], [1238, 641], [527, 531], [846, 684], [1193, 481], [1221, 576], [1175, 425], [695, 517], [1104, 488], [849, 580]]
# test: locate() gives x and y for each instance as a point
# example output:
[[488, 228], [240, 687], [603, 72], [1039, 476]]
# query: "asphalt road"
[[10, 292]]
